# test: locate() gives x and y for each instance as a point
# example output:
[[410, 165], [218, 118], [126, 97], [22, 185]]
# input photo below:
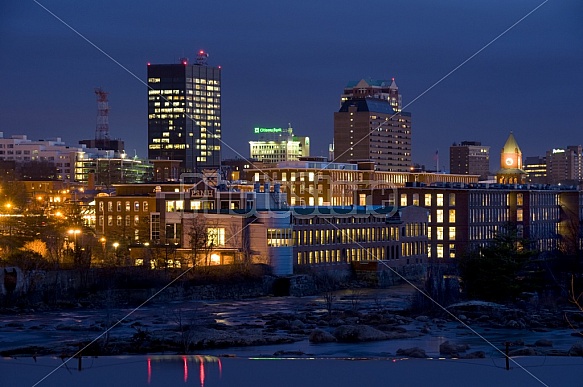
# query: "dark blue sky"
[[289, 61]]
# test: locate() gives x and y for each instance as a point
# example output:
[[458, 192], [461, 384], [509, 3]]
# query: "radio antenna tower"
[[102, 128]]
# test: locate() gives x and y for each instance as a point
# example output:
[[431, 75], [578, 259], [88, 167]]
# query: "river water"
[[207, 371]]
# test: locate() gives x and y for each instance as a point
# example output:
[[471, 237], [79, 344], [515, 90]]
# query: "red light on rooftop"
[[393, 78], [219, 66], [201, 52], [183, 62], [148, 63]]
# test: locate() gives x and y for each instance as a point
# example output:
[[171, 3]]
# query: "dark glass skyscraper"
[[184, 113]]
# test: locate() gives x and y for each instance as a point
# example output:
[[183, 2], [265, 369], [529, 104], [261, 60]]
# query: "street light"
[[74, 232], [115, 246], [102, 240]]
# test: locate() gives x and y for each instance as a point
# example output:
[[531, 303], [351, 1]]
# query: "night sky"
[[287, 62]]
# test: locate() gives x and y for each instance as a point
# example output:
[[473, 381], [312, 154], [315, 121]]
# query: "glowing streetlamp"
[[103, 240], [74, 232]]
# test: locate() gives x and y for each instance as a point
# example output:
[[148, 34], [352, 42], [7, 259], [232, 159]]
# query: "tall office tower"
[[371, 126], [469, 158], [536, 169], [565, 165], [184, 113], [510, 163]]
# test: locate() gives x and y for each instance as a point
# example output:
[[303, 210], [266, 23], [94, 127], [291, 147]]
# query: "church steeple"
[[510, 163]]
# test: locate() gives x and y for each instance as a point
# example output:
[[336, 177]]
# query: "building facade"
[[184, 113], [318, 183], [565, 165], [106, 168], [470, 158], [343, 235], [536, 170], [274, 145], [370, 126], [463, 219], [20, 149]]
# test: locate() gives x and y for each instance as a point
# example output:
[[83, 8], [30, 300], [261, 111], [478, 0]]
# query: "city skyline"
[[290, 63]]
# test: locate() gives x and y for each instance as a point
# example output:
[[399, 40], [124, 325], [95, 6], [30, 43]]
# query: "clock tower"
[[510, 163]]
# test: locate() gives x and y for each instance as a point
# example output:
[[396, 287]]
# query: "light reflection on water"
[[186, 361], [290, 371]]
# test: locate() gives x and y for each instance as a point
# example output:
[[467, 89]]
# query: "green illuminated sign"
[[268, 130]]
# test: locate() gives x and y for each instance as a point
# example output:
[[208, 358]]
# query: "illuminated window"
[[118, 220], [362, 199], [110, 220], [100, 206], [439, 250], [519, 199], [451, 216], [174, 205], [452, 233], [118, 206], [403, 200], [451, 199], [415, 199], [128, 206], [136, 206], [216, 236], [439, 233], [136, 220], [439, 216], [128, 220], [145, 206], [277, 237], [452, 250], [519, 215], [109, 206], [439, 200]]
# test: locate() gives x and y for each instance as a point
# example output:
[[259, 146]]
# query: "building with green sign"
[[274, 145]]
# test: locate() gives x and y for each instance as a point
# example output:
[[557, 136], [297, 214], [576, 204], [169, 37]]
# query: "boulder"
[[452, 349], [412, 352], [297, 324], [475, 355], [576, 349], [321, 336], [543, 343], [523, 352], [357, 333]]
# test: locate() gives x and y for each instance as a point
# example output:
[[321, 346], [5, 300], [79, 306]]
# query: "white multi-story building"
[[274, 145], [20, 149]]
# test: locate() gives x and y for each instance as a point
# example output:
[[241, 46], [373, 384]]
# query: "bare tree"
[[202, 239], [186, 328]]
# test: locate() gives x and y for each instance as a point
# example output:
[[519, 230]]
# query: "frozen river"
[[206, 371]]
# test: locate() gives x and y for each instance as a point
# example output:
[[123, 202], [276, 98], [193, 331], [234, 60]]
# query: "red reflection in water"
[[185, 368], [220, 368], [149, 370], [201, 372]]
